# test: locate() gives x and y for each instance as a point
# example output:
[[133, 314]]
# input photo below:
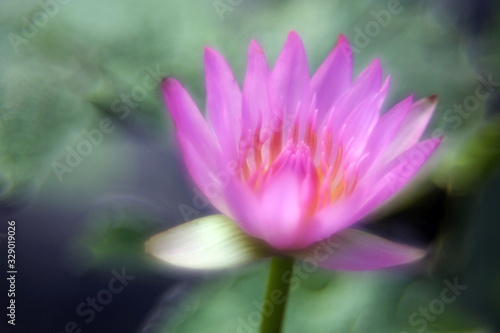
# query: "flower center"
[[322, 167]]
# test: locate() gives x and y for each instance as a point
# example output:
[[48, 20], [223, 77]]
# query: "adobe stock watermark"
[[88, 309], [176, 307], [48, 9], [408, 165], [301, 271], [94, 137], [211, 190], [223, 6], [437, 306], [455, 117], [371, 30]]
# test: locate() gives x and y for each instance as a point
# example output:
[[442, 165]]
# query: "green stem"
[[278, 285]]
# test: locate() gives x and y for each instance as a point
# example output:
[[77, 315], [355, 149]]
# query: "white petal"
[[211, 242]]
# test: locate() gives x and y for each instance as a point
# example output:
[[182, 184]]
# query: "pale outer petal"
[[211, 242], [355, 250]]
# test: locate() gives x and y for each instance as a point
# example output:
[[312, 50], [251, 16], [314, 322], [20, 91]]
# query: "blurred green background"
[[89, 167]]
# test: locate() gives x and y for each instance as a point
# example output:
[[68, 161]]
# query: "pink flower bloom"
[[294, 159]]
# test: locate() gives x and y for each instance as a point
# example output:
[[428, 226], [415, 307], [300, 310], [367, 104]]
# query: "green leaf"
[[321, 302], [207, 243], [48, 98], [473, 161]]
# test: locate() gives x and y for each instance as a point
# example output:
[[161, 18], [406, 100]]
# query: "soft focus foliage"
[[67, 76], [361, 302]]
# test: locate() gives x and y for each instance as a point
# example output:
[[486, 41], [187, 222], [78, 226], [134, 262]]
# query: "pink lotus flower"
[[294, 159]]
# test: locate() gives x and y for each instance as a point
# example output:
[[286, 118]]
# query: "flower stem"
[[276, 298]]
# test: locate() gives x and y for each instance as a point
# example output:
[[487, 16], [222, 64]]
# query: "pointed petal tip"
[[427, 104], [209, 52], [376, 66], [409, 100], [342, 39], [211, 55], [168, 83], [293, 37], [356, 250], [417, 253], [373, 72], [384, 89], [433, 98], [343, 46], [255, 47], [149, 246], [388, 80], [437, 140]]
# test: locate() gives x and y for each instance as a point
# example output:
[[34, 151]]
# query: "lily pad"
[[323, 301]]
